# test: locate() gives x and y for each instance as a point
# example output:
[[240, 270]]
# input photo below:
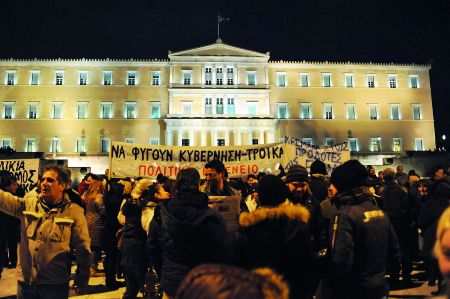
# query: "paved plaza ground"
[[8, 285]]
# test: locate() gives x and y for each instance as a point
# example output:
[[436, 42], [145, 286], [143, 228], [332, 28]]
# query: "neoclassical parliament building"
[[213, 95]]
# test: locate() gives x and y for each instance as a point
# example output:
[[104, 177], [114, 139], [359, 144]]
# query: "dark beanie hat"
[[297, 173], [318, 167], [349, 175], [271, 191]]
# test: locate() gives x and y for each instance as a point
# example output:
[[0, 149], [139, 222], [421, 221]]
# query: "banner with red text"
[[143, 160]]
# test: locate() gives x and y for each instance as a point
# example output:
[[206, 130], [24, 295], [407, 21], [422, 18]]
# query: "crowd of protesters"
[[351, 234]]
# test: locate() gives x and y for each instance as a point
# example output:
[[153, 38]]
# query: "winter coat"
[[133, 235], [184, 233], [396, 204], [432, 211], [362, 241], [113, 198], [278, 238], [95, 211], [47, 237]]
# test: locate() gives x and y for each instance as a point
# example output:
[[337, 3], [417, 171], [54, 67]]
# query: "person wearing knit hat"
[[363, 239], [319, 181], [297, 183]]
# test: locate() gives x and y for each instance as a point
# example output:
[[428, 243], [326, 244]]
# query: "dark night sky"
[[350, 30]]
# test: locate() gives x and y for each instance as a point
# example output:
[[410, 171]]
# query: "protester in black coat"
[[427, 222], [319, 181], [276, 235], [362, 238], [185, 232], [396, 204]]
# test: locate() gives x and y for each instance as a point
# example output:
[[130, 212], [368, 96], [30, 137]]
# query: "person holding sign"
[[50, 227], [216, 181]]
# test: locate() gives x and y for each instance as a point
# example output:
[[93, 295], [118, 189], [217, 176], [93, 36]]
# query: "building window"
[[30, 146], [131, 78], [307, 140], [418, 142], [221, 142], [83, 78], [82, 110], [55, 145], [57, 112], [304, 79], [327, 111], [230, 106], [251, 108], [34, 77], [251, 78], [154, 141], [106, 110], [373, 111], [59, 78], [392, 78], [375, 144], [10, 77], [33, 110], [208, 106], [187, 77], [414, 81], [230, 76], [282, 110], [155, 110], [354, 146], [329, 141], [351, 111], [104, 145], [395, 112], [156, 78], [416, 112], [326, 80], [187, 108], [80, 145], [6, 142], [219, 78], [370, 80], [281, 79], [396, 144], [185, 142], [208, 76], [8, 110], [219, 106], [130, 140], [107, 77], [305, 111], [348, 80], [130, 110]]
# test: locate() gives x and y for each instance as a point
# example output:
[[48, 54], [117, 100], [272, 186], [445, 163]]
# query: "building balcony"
[[214, 86], [221, 116]]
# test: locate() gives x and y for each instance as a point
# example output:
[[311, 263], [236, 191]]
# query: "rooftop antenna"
[[220, 19]]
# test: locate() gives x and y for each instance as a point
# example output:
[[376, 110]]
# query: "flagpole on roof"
[[220, 19]]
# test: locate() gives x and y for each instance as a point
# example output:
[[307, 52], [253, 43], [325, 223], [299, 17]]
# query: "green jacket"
[[47, 238]]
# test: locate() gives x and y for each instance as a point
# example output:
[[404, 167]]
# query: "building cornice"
[[324, 64], [84, 62]]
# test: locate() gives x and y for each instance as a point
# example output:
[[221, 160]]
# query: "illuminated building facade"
[[212, 95]]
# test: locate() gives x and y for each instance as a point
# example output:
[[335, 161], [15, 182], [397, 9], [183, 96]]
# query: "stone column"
[[180, 137], [227, 138], [237, 137], [203, 138], [213, 138], [169, 137], [261, 137], [270, 137], [250, 137], [191, 138]]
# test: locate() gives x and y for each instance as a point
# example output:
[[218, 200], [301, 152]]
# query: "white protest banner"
[[134, 160], [25, 170], [297, 152], [228, 207]]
